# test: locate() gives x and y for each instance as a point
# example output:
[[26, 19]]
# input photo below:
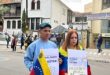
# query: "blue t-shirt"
[[33, 51]]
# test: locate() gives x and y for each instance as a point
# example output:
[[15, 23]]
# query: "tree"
[[25, 26], [3, 10]]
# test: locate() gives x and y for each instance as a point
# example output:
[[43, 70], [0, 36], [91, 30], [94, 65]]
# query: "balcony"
[[12, 15]]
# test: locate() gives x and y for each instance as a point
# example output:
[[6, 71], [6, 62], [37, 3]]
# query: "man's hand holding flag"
[[41, 66]]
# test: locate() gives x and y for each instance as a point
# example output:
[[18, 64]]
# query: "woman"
[[14, 43], [71, 42]]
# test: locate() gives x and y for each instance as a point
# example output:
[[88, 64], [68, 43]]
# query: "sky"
[[76, 5]]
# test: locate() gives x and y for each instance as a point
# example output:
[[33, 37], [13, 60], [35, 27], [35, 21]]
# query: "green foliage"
[[24, 22], [3, 9]]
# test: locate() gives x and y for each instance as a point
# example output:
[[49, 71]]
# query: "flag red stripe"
[[32, 72]]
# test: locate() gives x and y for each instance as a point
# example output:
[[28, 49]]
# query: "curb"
[[100, 60]]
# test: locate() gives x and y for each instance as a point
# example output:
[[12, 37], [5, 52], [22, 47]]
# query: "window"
[[38, 4], [77, 19], [107, 43], [19, 24], [8, 24], [69, 18], [37, 23], [33, 4], [18, 11], [108, 23], [32, 23], [80, 19], [85, 19], [105, 4], [108, 27], [13, 24]]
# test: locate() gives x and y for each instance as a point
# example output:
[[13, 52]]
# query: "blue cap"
[[43, 25]]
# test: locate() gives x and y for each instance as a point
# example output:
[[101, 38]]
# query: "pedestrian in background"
[[28, 41], [14, 43], [22, 40], [99, 43], [58, 39], [8, 39], [35, 37]]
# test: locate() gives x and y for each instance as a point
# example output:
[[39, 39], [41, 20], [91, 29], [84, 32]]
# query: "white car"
[[2, 36]]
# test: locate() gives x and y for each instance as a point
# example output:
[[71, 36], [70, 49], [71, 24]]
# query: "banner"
[[77, 62], [52, 56], [98, 16]]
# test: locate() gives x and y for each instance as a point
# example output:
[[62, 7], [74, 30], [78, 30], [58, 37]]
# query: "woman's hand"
[[60, 61]]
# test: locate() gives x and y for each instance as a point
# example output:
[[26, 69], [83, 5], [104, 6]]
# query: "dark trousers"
[[22, 44], [14, 48], [7, 43], [99, 48]]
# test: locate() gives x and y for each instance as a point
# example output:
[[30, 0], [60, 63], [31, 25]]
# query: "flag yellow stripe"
[[44, 64], [64, 53]]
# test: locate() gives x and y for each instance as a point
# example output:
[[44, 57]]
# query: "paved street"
[[11, 63], [100, 67]]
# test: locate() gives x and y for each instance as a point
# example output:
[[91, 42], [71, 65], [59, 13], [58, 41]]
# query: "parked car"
[[2, 36]]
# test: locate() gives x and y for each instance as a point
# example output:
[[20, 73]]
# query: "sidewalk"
[[18, 50], [92, 54]]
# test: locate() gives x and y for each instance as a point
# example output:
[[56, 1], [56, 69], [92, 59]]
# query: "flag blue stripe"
[[37, 68], [64, 65]]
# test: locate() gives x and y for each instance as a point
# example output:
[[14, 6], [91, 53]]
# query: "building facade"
[[101, 23], [54, 12], [12, 18], [51, 11]]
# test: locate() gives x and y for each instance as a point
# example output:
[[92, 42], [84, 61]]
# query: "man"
[[33, 50], [99, 43], [22, 40], [8, 39]]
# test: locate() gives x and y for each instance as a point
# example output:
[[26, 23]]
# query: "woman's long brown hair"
[[66, 43]]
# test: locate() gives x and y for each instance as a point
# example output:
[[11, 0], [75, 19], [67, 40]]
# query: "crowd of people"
[[24, 40]]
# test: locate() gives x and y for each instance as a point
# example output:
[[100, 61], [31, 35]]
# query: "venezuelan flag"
[[64, 66], [41, 66]]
